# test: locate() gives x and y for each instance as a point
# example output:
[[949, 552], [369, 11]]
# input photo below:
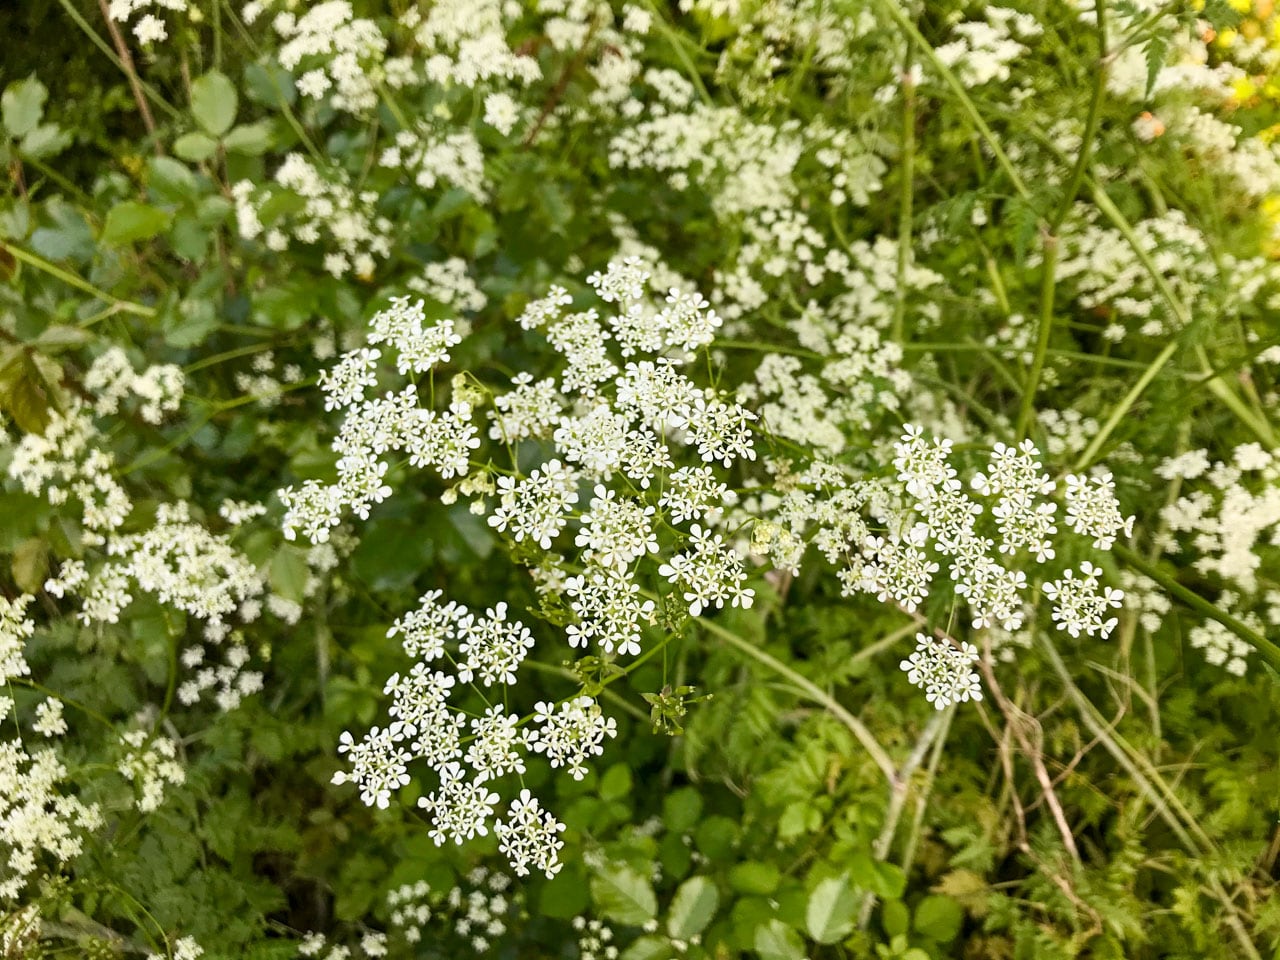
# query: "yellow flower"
[[1241, 6], [1244, 89], [1226, 38]]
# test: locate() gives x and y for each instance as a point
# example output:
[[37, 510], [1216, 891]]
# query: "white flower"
[[1079, 607], [529, 837], [501, 112], [943, 670]]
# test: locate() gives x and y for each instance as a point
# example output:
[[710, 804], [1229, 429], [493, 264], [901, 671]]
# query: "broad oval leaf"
[[213, 102], [623, 894], [693, 907], [832, 906]]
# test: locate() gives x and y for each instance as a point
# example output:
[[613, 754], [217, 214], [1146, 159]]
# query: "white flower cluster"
[[478, 911], [68, 461], [149, 27], [436, 160], [486, 650], [230, 678], [983, 50], [891, 536], [35, 818], [1226, 520], [355, 235], [175, 559], [943, 669], [595, 939], [150, 763], [1100, 267], [618, 420], [111, 379], [184, 948], [336, 55]]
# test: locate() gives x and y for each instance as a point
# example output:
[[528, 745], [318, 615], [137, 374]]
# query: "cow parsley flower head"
[[529, 836], [1081, 603], [943, 669]]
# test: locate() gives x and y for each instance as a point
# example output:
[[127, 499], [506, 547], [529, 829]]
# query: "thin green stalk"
[[935, 728], [913, 34], [105, 47], [1257, 423], [815, 693], [906, 192], [1125, 405], [1044, 330], [40, 263], [1268, 650], [1049, 277]]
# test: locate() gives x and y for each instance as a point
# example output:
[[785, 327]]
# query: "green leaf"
[[776, 941], [195, 147], [648, 948], [754, 876], [830, 913], [895, 918], [213, 102], [68, 238], [171, 181], [58, 337], [189, 322], [616, 782], [681, 809], [250, 140], [25, 399], [288, 573], [29, 565], [621, 893], [22, 105], [131, 221], [45, 141], [693, 907], [938, 917]]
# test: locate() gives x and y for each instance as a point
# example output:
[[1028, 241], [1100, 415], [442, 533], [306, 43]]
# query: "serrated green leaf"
[[213, 102], [692, 908], [831, 910], [776, 941], [131, 221], [22, 106], [621, 893]]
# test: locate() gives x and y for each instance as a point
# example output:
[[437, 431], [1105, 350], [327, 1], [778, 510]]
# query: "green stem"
[[40, 263], [1268, 650], [815, 693], [1048, 285], [913, 34], [1049, 278], [105, 47], [906, 192], [1125, 404]]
